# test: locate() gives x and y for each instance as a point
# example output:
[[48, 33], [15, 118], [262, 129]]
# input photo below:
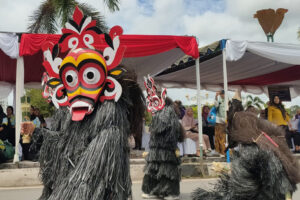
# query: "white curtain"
[[9, 44], [5, 89], [284, 53]]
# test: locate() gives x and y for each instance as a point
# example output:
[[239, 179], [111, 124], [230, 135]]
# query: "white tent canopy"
[[247, 62]]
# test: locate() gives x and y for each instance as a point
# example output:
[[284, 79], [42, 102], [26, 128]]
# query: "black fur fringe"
[[89, 160], [162, 171], [255, 174]]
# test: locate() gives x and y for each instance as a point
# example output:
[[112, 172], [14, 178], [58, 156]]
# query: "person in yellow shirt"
[[278, 115]]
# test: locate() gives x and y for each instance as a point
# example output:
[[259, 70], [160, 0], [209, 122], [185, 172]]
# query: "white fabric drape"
[[9, 44], [285, 53], [19, 94], [5, 89]]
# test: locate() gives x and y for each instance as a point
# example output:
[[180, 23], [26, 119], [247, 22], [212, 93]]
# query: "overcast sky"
[[208, 20]]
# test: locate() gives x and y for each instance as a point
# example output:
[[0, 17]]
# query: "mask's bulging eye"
[[71, 78], [91, 75]]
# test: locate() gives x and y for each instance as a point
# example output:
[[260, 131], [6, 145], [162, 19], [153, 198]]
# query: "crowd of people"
[[277, 114], [7, 133], [214, 134]]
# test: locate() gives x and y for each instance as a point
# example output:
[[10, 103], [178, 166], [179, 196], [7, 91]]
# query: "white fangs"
[[82, 104]]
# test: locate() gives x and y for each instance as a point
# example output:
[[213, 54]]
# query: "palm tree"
[[255, 102], [53, 14]]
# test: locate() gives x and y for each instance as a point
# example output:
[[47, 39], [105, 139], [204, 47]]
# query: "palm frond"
[[113, 5], [257, 105], [90, 11], [257, 99], [43, 19], [65, 9], [249, 97]]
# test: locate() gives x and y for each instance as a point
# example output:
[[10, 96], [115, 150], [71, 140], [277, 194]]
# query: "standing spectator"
[[32, 115], [208, 129], [26, 138], [3, 125], [278, 115], [11, 125], [297, 132], [41, 118], [191, 130], [220, 128]]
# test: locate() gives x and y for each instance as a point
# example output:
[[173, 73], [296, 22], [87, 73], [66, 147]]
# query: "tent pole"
[[19, 91], [199, 107], [226, 96]]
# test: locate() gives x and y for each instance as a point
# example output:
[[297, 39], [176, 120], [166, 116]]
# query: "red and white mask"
[[153, 101], [84, 76]]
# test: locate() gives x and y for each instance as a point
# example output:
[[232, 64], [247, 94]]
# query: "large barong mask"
[[84, 76]]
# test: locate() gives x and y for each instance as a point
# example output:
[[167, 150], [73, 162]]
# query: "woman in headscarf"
[[278, 115], [191, 130]]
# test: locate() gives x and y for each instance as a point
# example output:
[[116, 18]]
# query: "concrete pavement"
[[25, 173], [187, 187]]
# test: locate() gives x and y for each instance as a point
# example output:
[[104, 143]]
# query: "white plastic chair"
[[189, 147]]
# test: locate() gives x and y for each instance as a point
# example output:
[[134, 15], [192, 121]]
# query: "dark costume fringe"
[[89, 160], [255, 174], [162, 170], [263, 168]]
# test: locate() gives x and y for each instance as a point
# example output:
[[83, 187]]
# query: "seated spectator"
[[190, 126], [38, 114], [262, 114], [36, 121], [296, 131], [181, 108], [11, 125], [252, 109], [26, 138], [3, 125]]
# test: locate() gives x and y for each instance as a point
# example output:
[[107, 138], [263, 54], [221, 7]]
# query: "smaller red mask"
[[154, 102]]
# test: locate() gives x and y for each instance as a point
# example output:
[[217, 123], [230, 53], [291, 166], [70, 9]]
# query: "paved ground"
[[187, 186]]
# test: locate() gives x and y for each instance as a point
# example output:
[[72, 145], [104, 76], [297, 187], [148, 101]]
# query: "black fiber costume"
[[89, 159], [162, 170], [262, 168]]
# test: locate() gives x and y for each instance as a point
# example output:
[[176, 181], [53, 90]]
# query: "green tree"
[[37, 100], [52, 15], [293, 110], [255, 102], [148, 118]]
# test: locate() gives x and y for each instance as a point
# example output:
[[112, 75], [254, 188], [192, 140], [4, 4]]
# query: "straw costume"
[[86, 154], [263, 167], [162, 170]]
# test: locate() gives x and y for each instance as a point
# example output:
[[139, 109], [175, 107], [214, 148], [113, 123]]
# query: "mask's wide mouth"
[[79, 109]]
